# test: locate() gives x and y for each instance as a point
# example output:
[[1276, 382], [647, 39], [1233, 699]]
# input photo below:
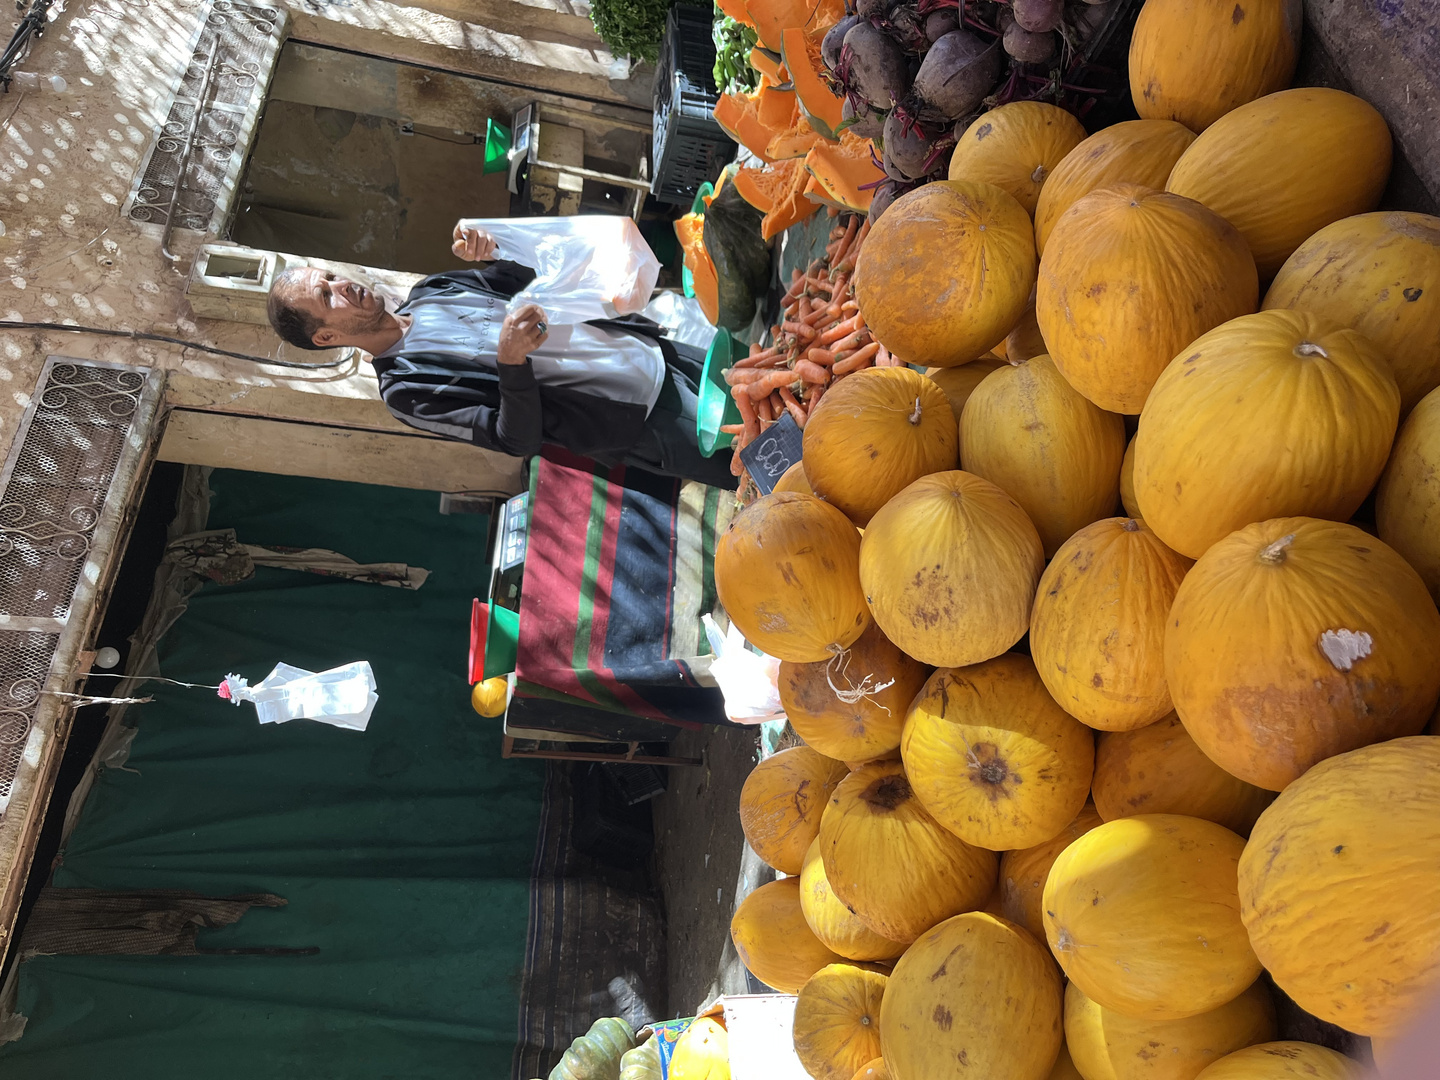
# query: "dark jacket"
[[502, 407]]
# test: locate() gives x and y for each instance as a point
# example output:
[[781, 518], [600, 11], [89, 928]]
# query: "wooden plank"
[[289, 448]]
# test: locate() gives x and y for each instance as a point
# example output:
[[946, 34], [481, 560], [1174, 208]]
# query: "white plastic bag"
[[683, 317], [750, 681], [589, 266], [342, 697]]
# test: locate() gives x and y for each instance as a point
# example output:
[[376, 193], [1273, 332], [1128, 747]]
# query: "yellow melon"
[[837, 927], [1196, 60], [1108, 1045], [993, 758], [852, 707], [1097, 631], [893, 864], [1023, 873], [1131, 152], [974, 996], [1378, 274], [782, 801], [1276, 414], [1285, 1061], [1131, 276], [946, 272], [774, 941], [1016, 147], [960, 382], [837, 1021], [949, 568], [1339, 881], [1296, 639], [1028, 431], [1407, 502], [1286, 165], [874, 433], [1143, 914], [1158, 769]]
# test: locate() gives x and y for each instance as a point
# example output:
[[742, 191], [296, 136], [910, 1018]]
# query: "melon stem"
[[1274, 554], [915, 415], [1309, 348]]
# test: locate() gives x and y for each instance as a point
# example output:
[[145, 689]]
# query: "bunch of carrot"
[[821, 337]]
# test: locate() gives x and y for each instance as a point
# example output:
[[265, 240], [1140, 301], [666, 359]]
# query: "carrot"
[[851, 341], [799, 329], [883, 358], [764, 410], [824, 357], [793, 406], [747, 413], [811, 372], [761, 389], [846, 328], [857, 359], [851, 306], [732, 429], [846, 241], [757, 359], [736, 469], [814, 399]]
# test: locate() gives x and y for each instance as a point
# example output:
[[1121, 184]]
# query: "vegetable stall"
[[1104, 593]]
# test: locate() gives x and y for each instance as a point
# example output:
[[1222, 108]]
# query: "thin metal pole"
[[188, 150]]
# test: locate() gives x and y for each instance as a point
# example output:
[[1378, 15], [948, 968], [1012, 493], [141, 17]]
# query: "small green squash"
[[596, 1054]]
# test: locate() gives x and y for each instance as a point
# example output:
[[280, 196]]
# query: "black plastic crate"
[[688, 147]]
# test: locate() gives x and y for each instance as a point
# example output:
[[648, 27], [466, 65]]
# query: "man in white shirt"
[[451, 361]]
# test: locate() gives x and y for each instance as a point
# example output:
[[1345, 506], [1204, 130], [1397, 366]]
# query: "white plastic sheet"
[[749, 681], [589, 266], [683, 317], [343, 697]]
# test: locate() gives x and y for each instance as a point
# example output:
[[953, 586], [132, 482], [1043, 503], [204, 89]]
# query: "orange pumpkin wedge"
[[738, 116], [769, 64], [771, 18], [843, 170], [800, 50], [737, 11]]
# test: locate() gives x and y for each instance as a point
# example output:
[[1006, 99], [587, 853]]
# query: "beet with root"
[[959, 70], [868, 123], [834, 39], [871, 9], [908, 148], [1026, 47], [1038, 16], [873, 66], [907, 26], [888, 191], [940, 23]]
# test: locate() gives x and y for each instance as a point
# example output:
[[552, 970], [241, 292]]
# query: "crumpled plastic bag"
[[749, 681], [343, 697], [589, 266]]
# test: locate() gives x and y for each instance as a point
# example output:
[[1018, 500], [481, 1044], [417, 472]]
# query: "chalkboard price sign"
[[777, 448]]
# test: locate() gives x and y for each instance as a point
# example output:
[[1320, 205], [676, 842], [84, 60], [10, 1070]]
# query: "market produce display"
[[1115, 630]]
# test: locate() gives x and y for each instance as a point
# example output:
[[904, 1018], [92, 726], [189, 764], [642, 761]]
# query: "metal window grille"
[[232, 57], [60, 508]]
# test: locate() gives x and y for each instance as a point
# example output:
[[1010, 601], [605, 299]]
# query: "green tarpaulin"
[[404, 851]]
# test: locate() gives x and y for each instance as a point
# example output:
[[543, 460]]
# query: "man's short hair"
[[295, 327]]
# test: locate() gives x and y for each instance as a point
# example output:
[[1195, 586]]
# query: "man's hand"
[[473, 245], [522, 332]]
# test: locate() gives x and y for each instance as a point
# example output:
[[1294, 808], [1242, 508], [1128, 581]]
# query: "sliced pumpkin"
[[707, 289], [767, 188], [800, 50], [769, 64], [794, 142], [843, 170], [738, 116], [736, 10], [771, 18], [792, 207], [775, 107]]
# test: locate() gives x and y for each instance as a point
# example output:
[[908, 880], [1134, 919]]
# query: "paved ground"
[[699, 850]]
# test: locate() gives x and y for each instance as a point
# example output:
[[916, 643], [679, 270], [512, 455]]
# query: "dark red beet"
[[959, 70], [1038, 16], [940, 23], [885, 194], [871, 9], [834, 39], [868, 124], [907, 148], [1026, 47], [906, 25], [873, 66]]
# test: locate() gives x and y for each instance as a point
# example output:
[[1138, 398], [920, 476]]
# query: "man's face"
[[343, 308]]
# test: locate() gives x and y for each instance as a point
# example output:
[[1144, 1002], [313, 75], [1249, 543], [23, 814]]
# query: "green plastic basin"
[[717, 407]]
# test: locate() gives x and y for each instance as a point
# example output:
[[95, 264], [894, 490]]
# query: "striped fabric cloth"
[[619, 569]]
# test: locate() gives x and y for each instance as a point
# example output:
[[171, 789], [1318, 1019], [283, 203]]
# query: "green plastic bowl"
[[717, 407], [497, 148], [687, 279]]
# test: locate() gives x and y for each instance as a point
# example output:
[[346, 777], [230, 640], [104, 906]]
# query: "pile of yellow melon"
[[1072, 779]]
